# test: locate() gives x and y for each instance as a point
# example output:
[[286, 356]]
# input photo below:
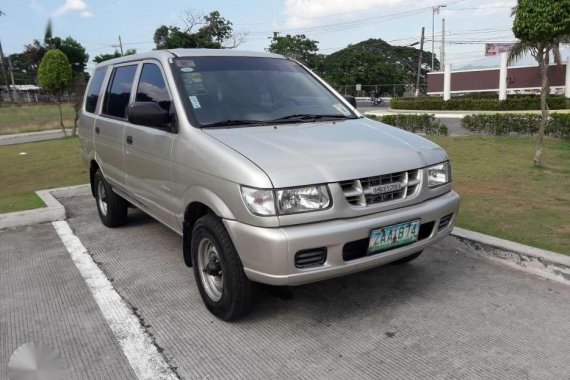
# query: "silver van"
[[267, 173]]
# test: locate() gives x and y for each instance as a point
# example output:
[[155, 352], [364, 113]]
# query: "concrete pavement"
[[44, 299], [449, 314], [446, 315]]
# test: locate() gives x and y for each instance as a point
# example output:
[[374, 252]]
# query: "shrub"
[[520, 124], [515, 102], [423, 123]]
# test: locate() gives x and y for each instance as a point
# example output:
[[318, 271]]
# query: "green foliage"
[[298, 47], [55, 73], [105, 57], [520, 124], [541, 21], [426, 124], [374, 62], [73, 50], [214, 33], [518, 103]]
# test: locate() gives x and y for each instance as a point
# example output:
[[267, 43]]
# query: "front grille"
[[444, 222], [359, 192], [310, 257], [359, 248]]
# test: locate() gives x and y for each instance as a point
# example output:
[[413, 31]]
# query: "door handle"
[[97, 130], [130, 140]]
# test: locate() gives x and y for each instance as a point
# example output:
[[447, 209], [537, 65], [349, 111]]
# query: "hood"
[[324, 152]]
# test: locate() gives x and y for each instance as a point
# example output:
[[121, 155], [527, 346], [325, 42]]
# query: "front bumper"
[[268, 254]]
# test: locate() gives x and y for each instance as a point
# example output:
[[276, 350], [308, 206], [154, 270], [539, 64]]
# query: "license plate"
[[393, 236]]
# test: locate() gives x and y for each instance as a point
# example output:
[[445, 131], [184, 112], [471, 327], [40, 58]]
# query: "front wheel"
[[223, 285]]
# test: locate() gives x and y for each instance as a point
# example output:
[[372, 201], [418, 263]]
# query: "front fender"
[[209, 198]]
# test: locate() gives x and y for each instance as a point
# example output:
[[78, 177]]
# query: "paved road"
[[453, 124], [449, 314]]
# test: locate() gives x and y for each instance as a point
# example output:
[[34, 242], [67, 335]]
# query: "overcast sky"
[[334, 23]]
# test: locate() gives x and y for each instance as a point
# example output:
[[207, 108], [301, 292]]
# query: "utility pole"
[[3, 64], [442, 54], [11, 69], [121, 45], [5, 72], [420, 63], [435, 9]]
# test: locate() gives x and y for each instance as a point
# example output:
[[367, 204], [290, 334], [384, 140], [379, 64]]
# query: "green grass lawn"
[[502, 193], [47, 164], [34, 118]]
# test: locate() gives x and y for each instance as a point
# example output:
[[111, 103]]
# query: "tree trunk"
[[77, 108], [61, 117], [544, 108]]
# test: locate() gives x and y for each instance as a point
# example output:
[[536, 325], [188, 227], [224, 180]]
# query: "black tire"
[[407, 259], [117, 208], [235, 290]]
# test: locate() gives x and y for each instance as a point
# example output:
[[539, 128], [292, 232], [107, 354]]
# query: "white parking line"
[[136, 344]]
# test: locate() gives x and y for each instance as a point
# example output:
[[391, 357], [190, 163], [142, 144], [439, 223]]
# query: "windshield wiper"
[[308, 117], [225, 123]]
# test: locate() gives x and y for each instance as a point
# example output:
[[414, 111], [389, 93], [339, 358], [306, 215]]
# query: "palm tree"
[[541, 50]]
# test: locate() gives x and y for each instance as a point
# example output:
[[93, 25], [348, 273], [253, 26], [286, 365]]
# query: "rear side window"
[[119, 91], [152, 87], [94, 89]]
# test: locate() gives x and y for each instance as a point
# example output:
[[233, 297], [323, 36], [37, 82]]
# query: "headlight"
[[289, 201], [302, 199], [258, 201], [439, 174]]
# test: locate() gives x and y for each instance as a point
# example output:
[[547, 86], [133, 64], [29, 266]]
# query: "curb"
[[548, 264], [52, 212], [27, 134]]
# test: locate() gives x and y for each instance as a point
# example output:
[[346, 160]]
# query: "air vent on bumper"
[[444, 222], [310, 257]]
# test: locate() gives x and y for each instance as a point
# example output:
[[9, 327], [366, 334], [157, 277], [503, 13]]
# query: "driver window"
[[152, 87]]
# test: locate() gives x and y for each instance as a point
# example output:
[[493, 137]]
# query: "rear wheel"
[[407, 259], [223, 285], [111, 207]]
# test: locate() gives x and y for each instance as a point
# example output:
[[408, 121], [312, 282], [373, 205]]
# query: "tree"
[[74, 51], [55, 76], [213, 32], [78, 90], [541, 26], [375, 62], [32, 56], [105, 57], [298, 47]]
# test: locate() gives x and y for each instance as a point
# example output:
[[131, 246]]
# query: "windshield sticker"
[[195, 102], [186, 69], [342, 109], [185, 63]]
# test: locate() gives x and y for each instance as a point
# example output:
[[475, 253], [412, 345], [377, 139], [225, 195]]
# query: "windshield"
[[250, 90]]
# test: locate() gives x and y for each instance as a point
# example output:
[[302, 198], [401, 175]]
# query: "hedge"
[[517, 103], [520, 124], [424, 123]]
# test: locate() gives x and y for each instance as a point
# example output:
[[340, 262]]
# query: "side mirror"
[[149, 114], [351, 99]]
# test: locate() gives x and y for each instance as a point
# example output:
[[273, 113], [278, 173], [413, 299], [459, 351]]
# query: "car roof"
[[165, 54]]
